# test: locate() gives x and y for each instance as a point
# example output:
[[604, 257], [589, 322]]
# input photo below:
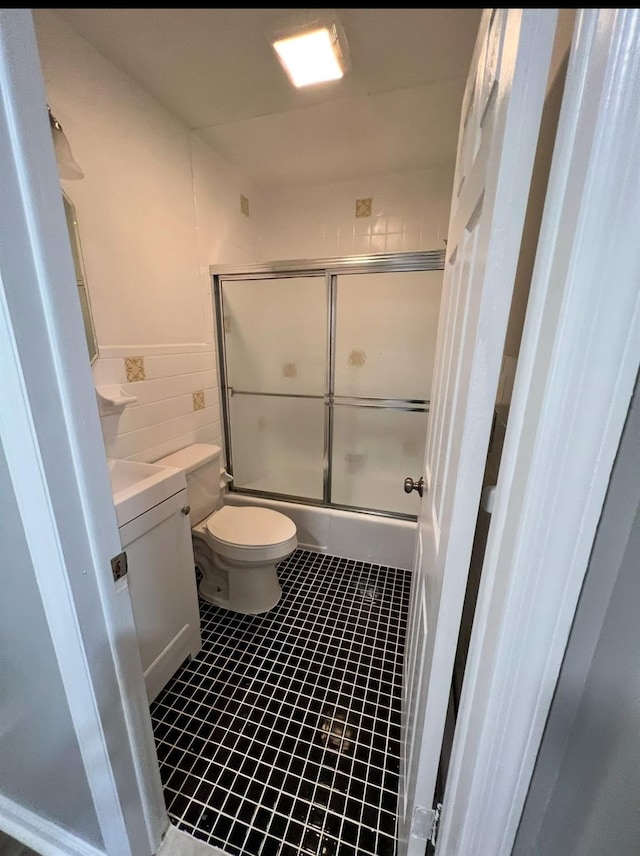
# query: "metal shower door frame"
[[331, 269]]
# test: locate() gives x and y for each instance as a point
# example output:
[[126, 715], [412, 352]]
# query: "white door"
[[500, 121], [52, 443]]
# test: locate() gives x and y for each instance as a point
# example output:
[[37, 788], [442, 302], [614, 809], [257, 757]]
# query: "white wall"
[[40, 759], [225, 234], [410, 211], [155, 208], [135, 204], [585, 791]]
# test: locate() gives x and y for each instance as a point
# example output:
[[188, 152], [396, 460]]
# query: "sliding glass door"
[[385, 332], [326, 378], [275, 338]]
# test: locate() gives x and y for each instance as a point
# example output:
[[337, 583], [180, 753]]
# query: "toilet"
[[236, 548]]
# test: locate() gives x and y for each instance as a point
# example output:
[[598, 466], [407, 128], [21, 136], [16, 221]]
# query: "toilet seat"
[[250, 533]]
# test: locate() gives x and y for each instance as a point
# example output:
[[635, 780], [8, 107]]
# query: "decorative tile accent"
[[134, 367], [198, 400], [282, 736], [244, 205], [364, 207]]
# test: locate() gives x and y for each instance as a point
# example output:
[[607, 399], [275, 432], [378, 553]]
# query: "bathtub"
[[352, 535]]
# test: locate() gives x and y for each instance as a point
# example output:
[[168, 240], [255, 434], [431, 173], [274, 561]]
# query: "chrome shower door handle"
[[410, 485]]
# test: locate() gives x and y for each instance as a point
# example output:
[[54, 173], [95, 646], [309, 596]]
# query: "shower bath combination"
[[324, 403]]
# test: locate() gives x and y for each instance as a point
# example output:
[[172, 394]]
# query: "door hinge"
[[435, 824], [425, 823], [119, 566]]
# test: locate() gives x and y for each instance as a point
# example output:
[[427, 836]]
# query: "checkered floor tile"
[[283, 735]]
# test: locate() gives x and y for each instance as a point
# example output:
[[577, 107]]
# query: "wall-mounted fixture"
[[113, 399], [67, 166], [313, 53]]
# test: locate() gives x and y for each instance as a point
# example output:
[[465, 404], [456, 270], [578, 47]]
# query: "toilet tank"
[[201, 465]]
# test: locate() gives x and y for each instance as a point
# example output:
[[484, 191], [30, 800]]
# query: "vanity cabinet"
[[162, 587]]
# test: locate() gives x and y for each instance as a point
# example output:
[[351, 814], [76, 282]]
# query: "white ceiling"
[[397, 109]]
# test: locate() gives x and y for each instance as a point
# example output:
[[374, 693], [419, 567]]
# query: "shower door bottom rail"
[[320, 503]]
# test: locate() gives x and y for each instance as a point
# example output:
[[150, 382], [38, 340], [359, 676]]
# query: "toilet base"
[[239, 578], [249, 589]]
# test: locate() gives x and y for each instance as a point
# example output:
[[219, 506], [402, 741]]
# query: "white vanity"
[[153, 522]]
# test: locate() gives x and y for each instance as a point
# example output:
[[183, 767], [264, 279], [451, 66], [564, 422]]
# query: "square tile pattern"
[[283, 735]]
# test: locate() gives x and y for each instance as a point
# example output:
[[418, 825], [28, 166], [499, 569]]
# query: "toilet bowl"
[[236, 548]]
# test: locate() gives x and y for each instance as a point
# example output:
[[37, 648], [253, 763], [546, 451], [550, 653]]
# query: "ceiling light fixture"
[[315, 56]]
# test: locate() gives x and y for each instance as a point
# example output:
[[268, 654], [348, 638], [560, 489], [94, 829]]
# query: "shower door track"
[[331, 268]]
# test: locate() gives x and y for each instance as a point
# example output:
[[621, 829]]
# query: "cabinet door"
[[162, 587]]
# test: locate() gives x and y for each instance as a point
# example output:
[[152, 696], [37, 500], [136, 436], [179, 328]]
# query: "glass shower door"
[[385, 335], [326, 378], [275, 346]]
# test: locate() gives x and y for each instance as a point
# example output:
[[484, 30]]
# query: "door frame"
[[50, 431], [502, 110], [62, 450], [577, 368]]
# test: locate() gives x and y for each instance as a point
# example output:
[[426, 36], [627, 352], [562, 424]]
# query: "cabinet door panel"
[[162, 586]]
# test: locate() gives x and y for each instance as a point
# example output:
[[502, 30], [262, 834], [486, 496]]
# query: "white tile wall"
[[410, 212], [225, 234], [162, 420]]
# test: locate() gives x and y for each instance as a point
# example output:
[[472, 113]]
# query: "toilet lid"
[[250, 527]]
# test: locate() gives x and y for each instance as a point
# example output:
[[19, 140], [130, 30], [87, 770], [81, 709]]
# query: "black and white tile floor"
[[283, 735]]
